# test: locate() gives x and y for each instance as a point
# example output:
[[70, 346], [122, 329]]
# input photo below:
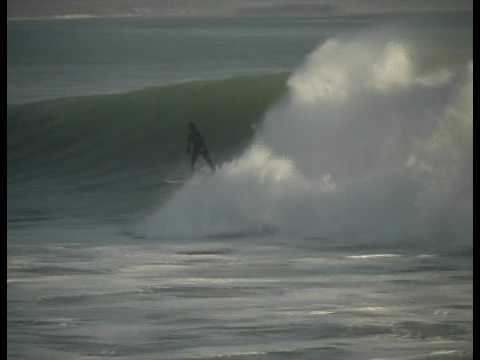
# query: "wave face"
[[109, 154], [373, 143]]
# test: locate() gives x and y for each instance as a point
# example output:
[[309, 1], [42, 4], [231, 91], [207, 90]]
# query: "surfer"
[[196, 146]]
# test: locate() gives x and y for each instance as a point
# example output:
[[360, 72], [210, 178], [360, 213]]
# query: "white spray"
[[366, 146]]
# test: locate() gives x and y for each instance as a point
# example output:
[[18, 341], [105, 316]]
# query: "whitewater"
[[338, 224]]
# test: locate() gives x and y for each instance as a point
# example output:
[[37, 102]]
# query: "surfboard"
[[200, 173], [174, 181]]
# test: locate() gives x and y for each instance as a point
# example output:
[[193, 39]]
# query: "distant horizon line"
[[81, 16]]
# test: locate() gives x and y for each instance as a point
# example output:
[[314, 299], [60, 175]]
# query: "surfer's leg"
[[208, 160], [194, 158]]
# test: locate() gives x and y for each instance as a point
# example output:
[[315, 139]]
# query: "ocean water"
[[70, 58], [338, 224]]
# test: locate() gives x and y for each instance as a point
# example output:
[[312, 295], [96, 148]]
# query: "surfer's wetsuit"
[[196, 146]]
